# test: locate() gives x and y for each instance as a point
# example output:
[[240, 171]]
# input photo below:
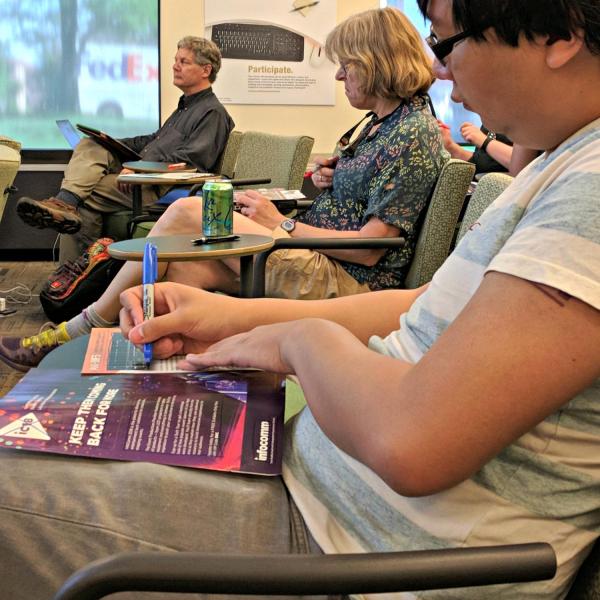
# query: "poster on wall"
[[272, 50]]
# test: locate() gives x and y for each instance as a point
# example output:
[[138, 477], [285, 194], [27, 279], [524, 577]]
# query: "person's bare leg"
[[183, 216], [216, 275]]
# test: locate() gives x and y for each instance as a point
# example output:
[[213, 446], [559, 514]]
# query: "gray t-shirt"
[[545, 486]]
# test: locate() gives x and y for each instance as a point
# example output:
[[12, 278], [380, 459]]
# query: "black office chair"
[[266, 575]]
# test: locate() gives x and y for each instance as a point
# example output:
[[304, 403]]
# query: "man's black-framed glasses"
[[441, 48]]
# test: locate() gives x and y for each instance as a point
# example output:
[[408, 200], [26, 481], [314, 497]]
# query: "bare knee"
[[211, 275], [183, 216]]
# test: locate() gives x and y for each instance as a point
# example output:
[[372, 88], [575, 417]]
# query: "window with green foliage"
[[91, 61]]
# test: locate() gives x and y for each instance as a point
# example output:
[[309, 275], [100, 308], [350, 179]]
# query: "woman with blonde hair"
[[376, 185]]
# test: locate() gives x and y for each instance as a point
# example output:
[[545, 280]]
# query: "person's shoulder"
[[213, 102], [416, 116], [578, 153]]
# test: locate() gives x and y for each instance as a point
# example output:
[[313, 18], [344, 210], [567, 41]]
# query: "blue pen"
[[149, 276]]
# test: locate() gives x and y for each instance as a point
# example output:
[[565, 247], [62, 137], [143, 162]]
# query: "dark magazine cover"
[[225, 421]]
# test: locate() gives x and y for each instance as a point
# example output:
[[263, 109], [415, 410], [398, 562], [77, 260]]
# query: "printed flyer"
[[109, 352], [224, 421]]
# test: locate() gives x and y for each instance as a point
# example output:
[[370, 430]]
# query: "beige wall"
[[324, 123]]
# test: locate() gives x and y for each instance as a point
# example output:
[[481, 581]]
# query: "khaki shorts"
[[307, 275]]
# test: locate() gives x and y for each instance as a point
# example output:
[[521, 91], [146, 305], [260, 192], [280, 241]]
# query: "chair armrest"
[[260, 261], [191, 572]]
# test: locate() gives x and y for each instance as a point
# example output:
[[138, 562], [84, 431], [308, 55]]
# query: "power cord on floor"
[[19, 294], [56, 250], [5, 311]]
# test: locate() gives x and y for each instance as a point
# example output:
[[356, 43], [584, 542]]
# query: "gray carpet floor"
[[20, 283]]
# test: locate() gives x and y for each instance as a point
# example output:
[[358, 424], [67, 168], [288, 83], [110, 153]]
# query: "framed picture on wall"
[[272, 50]]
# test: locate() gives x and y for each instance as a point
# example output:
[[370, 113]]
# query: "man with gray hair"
[[196, 134]]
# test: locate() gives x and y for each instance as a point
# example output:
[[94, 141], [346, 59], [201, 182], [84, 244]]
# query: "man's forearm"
[[457, 151], [367, 256], [500, 152], [375, 313]]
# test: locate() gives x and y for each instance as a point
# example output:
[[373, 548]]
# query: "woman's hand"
[[446, 135], [258, 208], [186, 319], [472, 134], [322, 176]]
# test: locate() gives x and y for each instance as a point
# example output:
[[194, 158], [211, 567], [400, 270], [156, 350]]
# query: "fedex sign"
[[130, 67], [119, 80]]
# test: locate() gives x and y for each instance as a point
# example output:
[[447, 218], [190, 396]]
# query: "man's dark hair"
[[558, 19]]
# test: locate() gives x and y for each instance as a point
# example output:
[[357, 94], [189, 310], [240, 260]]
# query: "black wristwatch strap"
[[490, 136]]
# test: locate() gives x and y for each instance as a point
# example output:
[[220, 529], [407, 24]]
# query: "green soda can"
[[217, 208]]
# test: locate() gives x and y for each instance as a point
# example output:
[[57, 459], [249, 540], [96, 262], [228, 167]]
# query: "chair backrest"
[[282, 158], [489, 187], [10, 160], [229, 157], [441, 218]]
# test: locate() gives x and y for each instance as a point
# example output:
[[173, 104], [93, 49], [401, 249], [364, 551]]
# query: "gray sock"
[[83, 323], [69, 197]]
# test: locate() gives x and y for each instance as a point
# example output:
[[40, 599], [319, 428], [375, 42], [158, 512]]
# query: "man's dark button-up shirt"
[[196, 133]]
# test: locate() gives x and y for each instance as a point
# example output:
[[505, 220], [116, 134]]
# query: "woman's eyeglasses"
[[441, 48], [344, 68]]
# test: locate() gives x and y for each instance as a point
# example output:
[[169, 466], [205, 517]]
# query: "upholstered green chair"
[[230, 154], [439, 227], [10, 160], [249, 155], [489, 187], [281, 158], [436, 234]]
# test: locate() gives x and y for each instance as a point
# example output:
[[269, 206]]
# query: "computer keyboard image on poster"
[[258, 42]]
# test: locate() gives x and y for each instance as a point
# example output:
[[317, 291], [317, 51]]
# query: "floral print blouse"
[[390, 176]]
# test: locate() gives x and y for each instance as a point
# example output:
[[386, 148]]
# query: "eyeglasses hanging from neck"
[[346, 148]]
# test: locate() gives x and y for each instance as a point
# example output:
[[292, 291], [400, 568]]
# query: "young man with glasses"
[[477, 422]]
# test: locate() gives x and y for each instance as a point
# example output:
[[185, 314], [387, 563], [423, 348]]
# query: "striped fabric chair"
[[489, 187], [248, 155], [439, 227]]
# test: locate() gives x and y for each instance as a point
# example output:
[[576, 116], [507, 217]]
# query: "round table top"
[[180, 247]]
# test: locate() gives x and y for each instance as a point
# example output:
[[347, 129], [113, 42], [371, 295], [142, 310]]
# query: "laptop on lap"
[[119, 149]]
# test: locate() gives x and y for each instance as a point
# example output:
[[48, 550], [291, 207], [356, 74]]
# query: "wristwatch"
[[490, 136], [288, 225]]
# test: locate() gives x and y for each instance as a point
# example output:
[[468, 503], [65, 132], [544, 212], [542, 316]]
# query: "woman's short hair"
[[387, 51], [205, 53]]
